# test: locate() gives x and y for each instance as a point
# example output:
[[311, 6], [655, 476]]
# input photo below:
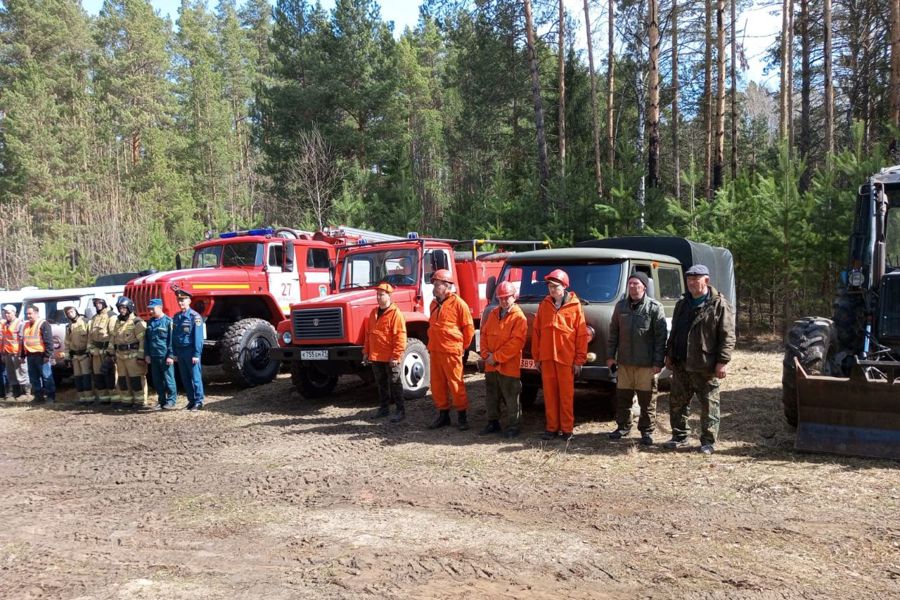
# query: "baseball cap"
[[154, 302]]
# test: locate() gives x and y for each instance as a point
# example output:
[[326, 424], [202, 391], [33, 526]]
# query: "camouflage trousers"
[[685, 384]]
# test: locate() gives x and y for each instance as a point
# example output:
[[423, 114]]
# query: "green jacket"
[[710, 339], [637, 337]]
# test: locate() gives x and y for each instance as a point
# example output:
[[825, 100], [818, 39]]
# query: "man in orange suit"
[[559, 348], [383, 348], [503, 336], [450, 331]]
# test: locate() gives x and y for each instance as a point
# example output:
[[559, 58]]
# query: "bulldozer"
[[841, 375]]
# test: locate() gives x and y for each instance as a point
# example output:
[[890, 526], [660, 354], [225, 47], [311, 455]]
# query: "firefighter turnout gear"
[[559, 344], [103, 366], [450, 332], [76, 342], [127, 342]]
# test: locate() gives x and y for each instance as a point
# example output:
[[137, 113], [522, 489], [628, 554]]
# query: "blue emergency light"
[[260, 231], [412, 235]]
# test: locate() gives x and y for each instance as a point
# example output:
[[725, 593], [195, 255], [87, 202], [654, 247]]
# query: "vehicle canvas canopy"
[[719, 260]]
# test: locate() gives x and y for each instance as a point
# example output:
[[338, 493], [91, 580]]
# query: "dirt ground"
[[265, 495]]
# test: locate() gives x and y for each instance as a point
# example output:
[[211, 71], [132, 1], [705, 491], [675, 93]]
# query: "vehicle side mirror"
[[489, 287], [288, 256], [332, 270], [177, 261]]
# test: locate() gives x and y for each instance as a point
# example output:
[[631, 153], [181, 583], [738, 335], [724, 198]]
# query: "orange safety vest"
[[10, 333], [32, 340]]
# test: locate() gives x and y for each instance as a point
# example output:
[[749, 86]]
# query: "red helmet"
[[442, 275], [505, 290], [559, 276]]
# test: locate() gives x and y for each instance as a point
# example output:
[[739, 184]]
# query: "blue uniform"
[[158, 348], [187, 342]]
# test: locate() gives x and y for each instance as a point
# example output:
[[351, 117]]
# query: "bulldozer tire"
[[415, 369], [311, 382], [810, 340], [245, 352]]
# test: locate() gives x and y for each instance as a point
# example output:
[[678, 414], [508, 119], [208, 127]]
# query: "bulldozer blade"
[[854, 416]]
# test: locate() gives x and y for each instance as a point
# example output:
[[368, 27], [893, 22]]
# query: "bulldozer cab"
[[841, 381]]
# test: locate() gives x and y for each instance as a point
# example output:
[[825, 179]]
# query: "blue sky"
[[761, 28]]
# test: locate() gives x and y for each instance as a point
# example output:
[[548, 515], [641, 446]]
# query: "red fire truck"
[[324, 336], [243, 283]]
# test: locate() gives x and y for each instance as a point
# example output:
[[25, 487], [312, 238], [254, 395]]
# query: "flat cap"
[[698, 270], [154, 302]]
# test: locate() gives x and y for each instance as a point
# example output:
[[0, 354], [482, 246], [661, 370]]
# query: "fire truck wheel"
[[528, 396], [809, 340], [415, 369], [311, 382], [245, 352]]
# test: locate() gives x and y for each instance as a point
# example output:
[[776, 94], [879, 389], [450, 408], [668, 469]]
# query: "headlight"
[[856, 278], [287, 338], [591, 332]]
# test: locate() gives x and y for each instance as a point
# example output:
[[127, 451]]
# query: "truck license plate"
[[527, 363], [314, 354]]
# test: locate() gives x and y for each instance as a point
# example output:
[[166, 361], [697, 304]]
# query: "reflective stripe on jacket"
[[560, 335], [34, 338], [385, 335], [450, 326], [505, 339], [11, 336]]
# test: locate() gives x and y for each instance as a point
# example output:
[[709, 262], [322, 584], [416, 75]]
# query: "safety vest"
[[10, 334], [34, 344]]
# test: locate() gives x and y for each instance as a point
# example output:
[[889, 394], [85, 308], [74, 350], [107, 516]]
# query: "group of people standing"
[[109, 353], [638, 347]]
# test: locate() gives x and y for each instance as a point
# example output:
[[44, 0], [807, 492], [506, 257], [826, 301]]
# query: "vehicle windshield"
[[242, 254], [366, 269], [593, 282], [54, 310]]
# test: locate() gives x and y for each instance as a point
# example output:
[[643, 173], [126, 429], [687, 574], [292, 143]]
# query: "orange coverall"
[[558, 342], [505, 338], [385, 336], [450, 331]]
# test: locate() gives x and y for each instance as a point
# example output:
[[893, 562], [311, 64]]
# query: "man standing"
[[559, 348], [450, 331], [637, 343], [103, 362], [11, 347], [384, 347], [158, 354], [37, 348], [502, 340], [76, 344], [128, 340], [698, 352], [187, 342]]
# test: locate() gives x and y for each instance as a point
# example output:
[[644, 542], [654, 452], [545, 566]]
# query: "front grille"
[[141, 295], [318, 323]]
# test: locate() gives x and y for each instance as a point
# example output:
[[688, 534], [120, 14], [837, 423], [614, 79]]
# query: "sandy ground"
[[265, 495]]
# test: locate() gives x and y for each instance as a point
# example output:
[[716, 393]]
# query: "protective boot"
[[137, 391], [492, 426], [443, 419], [17, 391], [399, 411], [462, 421], [383, 411]]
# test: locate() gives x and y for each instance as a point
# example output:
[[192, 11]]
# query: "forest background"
[[126, 136]]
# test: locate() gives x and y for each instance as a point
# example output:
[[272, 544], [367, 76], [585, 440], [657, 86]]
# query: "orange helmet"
[[558, 276], [384, 286], [442, 275], [505, 290]]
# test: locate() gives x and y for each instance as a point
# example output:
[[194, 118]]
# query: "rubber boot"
[[383, 411], [462, 421], [399, 411], [443, 419], [491, 427]]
